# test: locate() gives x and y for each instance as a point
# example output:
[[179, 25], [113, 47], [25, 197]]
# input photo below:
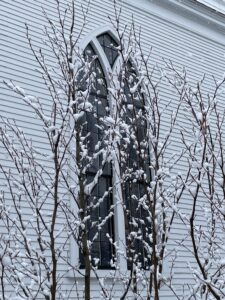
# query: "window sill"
[[100, 273], [106, 273]]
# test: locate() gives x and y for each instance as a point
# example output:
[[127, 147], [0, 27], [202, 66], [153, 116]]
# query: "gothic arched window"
[[107, 224]]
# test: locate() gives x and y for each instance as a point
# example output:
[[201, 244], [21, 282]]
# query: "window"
[[127, 224]]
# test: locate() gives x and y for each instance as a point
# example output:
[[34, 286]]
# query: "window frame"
[[119, 220]]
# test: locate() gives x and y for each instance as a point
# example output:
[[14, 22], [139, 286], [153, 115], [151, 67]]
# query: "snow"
[[6, 262], [19, 90], [50, 129], [136, 86], [199, 116], [86, 106], [109, 121], [79, 115]]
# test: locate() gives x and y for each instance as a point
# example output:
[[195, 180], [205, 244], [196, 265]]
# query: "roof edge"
[[217, 5], [189, 14]]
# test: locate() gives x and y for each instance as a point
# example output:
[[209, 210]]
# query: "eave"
[[189, 14]]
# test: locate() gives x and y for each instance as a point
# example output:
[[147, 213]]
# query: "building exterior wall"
[[189, 34]]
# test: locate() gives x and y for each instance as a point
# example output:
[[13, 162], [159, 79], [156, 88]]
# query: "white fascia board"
[[218, 5], [189, 14]]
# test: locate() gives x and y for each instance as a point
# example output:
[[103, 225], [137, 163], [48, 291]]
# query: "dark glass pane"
[[109, 46], [95, 251], [91, 122], [138, 226], [99, 228], [99, 86], [102, 185], [89, 52], [107, 170], [138, 223], [99, 201], [105, 251], [93, 164], [89, 55], [102, 107]]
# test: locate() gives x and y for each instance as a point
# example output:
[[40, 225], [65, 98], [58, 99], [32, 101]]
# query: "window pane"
[[135, 166], [100, 200], [109, 46]]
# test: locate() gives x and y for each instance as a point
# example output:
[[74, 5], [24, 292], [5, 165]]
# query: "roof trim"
[[216, 5], [189, 14]]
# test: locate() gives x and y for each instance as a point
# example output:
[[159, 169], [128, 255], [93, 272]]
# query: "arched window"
[[103, 230]]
